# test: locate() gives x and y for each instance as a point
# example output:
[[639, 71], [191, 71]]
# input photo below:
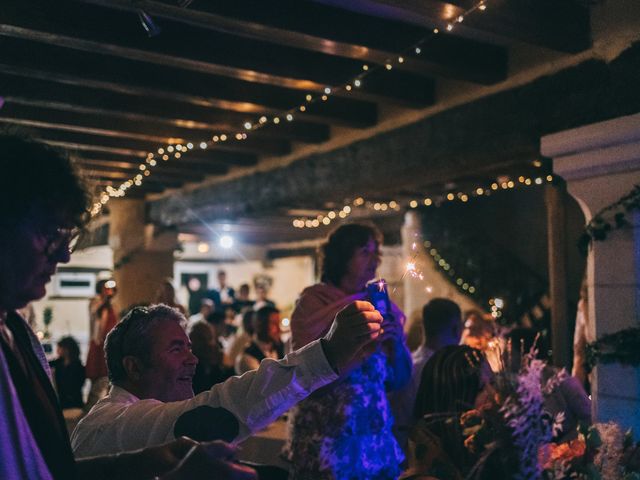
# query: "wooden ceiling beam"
[[86, 72], [265, 146], [383, 40], [176, 167], [66, 115], [562, 25], [90, 29]]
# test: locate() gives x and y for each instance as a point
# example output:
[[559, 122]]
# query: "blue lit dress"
[[343, 431]]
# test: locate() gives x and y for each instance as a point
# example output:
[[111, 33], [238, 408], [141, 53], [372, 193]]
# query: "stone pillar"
[[601, 163], [142, 257]]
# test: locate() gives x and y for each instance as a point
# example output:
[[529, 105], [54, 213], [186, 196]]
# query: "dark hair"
[[261, 322], [438, 315], [39, 178], [133, 336], [451, 381], [340, 247], [70, 345], [247, 321]]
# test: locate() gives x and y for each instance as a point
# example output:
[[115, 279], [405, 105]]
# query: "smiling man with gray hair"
[[151, 367]]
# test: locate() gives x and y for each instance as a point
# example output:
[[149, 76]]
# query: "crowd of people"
[[171, 394]]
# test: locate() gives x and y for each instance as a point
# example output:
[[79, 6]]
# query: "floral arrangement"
[[513, 435], [600, 452]]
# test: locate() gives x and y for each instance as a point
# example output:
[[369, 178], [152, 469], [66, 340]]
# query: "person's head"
[[453, 380], [243, 292], [68, 349], [149, 354], [222, 278], [42, 206], [477, 331], [206, 307], [106, 288], [442, 322], [267, 324], [351, 256], [261, 292], [247, 320], [520, 342], [166, 293]]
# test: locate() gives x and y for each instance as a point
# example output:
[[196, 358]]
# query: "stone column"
[[142, 257], [601, 163]]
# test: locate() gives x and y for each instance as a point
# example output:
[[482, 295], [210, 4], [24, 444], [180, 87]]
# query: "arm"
[[254, 400], [181, 459]]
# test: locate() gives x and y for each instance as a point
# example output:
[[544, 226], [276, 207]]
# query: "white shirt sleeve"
[[122, 422]]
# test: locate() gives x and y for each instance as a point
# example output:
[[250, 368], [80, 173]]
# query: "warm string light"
[[285, 115], [434, 201], [446, 269]]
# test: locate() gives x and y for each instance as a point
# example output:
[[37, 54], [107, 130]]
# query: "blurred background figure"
[[262, 284], [166, 294], [103, 319], [581, 337], [442, 326], [205, 345], [480, 332], [265, 341], [242, 298], [242, 338], [207, 307], [68, 373], [227, 294]]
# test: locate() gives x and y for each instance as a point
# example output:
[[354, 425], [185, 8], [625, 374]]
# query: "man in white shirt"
[[442, 325], [151, 367]]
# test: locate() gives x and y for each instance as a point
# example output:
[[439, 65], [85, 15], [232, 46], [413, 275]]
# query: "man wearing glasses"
[[42, 204]]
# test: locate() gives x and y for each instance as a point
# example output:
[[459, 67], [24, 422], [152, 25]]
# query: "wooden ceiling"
[[84, 75]]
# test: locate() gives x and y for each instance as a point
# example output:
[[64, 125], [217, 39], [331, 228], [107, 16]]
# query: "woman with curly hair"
[[344, 430]]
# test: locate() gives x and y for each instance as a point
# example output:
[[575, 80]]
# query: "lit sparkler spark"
[[381, 285]]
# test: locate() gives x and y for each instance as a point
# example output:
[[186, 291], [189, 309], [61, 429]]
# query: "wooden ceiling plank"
[[66, 115], [346, 45], [344, 112], [252, 145], [62, 27], [562, 25]]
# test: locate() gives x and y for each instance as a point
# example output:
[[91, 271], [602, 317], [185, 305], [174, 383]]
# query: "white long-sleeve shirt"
[[122, 422]]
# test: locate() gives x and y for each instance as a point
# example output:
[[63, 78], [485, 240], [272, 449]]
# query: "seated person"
[[68, 373], [442, 324], [151, 368], [456, 379], [568, 397], [265, 342]]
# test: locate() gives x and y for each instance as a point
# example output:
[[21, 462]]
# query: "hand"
[[355, 327], [205, 460]]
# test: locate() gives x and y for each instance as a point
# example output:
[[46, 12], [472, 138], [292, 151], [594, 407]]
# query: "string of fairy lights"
[[326, 218], [176, 151]]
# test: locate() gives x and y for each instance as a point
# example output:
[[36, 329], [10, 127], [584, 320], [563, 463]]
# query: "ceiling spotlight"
[[148, 24], [226, 241]]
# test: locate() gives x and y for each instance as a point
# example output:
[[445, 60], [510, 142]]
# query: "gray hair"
[[133, 337]]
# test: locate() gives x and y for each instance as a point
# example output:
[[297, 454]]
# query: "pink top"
[[315, 310]]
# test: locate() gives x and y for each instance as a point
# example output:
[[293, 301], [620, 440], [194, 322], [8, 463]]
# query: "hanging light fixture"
[[148, 24]]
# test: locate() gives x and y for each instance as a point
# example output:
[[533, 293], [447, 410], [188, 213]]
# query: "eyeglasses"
[[59, 237]]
